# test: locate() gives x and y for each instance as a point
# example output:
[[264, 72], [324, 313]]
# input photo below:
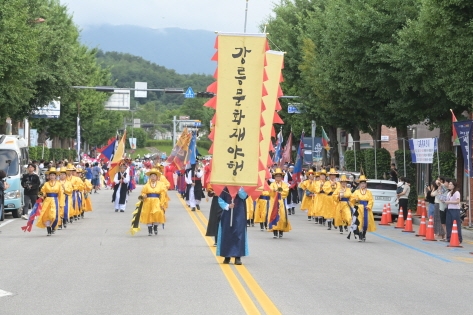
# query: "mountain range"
[[185, 51]]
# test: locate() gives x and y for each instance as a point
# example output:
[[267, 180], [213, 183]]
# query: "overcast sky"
[[212, 15]]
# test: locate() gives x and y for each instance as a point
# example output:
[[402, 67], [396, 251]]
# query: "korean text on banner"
[[422, 150], [464, 132], [274, 64], [240, 74]]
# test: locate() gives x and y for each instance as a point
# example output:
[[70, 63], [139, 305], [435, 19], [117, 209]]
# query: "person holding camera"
[[30, 182]]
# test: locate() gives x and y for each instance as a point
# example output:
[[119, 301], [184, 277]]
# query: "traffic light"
[[205, 94]]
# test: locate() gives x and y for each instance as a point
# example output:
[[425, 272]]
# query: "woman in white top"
[[453, 210], [404, 196]]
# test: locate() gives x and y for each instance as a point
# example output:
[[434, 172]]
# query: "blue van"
[[13, 160]]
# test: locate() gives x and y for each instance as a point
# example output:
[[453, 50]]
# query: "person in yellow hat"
[[261, 210], [322, 189], [51, 192], [65, 201], [278, 221], [76, 184], [343, 204], [308, 186], [153, 195], [120, 188], [364, 198], [329, 211], [86, 191]]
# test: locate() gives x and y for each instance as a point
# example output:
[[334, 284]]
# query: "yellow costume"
[[261, 209], [65, 201], [278, 192], [86, 202], [167, 184], [76, 184], [324, 201], [51, 192], [308, 200], [343, 206], [152, 211], [365, 200], [250, 209]]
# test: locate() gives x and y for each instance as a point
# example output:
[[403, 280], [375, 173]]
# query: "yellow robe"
[[283, 224], [261, 207], [330, 208], [367, 196], [307, 201], [49, 212], [250, 208], [86, 202], [76, 186], [342, 208], [166, 199], [67, 191], [322, 189], [152, 211]]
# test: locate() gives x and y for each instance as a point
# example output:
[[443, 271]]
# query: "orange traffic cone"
[[400, 220], [430, 231], [409, 223], [422, 230], [388, 213], [454, 241], [384, 218], [419, 206]]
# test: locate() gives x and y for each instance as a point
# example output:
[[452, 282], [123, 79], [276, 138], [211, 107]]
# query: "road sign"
[[141, 86], [189, 93], [293, 109], [197, 124]]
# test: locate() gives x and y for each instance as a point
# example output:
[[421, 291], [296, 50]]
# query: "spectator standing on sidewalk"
[[403, 196], [30, 182], [96, 172], [429, 193], [453, 210]]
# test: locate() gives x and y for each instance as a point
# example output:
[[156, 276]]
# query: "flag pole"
[[438, 158], [231, 215], [469, 178]]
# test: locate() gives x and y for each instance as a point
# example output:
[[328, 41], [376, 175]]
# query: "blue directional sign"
[[293, 109], [189, 93], [197, 124]]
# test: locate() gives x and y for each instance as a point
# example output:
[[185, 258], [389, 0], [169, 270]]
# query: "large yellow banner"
[[240, 88], [274, 64]]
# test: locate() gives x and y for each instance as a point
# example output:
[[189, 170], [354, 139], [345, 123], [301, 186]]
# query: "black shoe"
[[59, 227], [275, 234], [293, 211], [193, 209], [198, 207], [346, 229], [116, 210], [238, 261], [122, 210], [64, 224], [280, 234], [150, 230], [82, 215], [48, 228], [341, 229], [226, 260], [329, 225], [155, 227]]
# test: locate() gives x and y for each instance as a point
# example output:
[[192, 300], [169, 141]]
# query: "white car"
[[384, 193]]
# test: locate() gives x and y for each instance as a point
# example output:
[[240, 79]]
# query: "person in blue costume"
[[232, 238]]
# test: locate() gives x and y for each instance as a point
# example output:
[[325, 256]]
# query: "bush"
[[205, 144], [447, 165], [157, 143], [350, 160], [383, 162], [411, 170]]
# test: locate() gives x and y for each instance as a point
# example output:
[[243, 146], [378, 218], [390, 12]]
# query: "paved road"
[[95, 267]]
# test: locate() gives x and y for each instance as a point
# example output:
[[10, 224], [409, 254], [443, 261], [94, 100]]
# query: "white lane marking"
[[6, 222], [5, 293]]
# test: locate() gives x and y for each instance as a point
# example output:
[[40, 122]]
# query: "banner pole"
[[404, 150], [231, 216], [354, 147], [438, 158]]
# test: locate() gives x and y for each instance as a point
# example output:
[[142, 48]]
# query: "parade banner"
[[132, 143], [238, 103], [117, 158], [422, 150], [179, 154], [464, 131], [274, 65]]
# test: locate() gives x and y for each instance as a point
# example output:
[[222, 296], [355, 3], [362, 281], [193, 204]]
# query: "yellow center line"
[[245, 300]]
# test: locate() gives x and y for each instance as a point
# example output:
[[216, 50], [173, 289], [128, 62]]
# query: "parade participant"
[[250, 212], [330, 207], [343, 207], [51, 192], [131, 174], [322, 188], [169, 173], [120, 188], [166, 183], [194, 191], [308, 187], [153, 194], [293, 198], [214, 215], [76, 184], [65, 201], [79, 173], [364, 198], [232, 236], [86, 191], [261, 210], [277, 214]]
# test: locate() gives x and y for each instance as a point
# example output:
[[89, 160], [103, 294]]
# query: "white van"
[[13, 159]]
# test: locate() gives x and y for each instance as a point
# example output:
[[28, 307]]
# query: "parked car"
[[384, 192]]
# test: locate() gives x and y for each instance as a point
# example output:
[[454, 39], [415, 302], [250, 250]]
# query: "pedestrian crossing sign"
[[189, 93]]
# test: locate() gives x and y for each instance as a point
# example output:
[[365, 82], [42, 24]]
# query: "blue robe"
[[232, 240]]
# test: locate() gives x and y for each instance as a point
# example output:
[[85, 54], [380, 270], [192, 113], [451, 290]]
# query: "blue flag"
[[193, 149], [299, 157], [277, 149]]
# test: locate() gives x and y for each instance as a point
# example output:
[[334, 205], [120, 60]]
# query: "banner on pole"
[[132, 143], [238, 103], [463, 130], [422, 150]]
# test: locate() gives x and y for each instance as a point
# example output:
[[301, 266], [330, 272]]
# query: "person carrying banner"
[[51, 192], [343, 206], [278, 221], [232, 238], [194, 191], [308, 187], [153, 195], [293, 197], [365, 201], [322, 188], [120, 188], [330, 208]]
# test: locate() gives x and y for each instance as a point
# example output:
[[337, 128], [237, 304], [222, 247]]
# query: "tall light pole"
[[246, 16]]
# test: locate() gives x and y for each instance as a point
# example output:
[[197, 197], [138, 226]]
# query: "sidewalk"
[[467, 232]]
